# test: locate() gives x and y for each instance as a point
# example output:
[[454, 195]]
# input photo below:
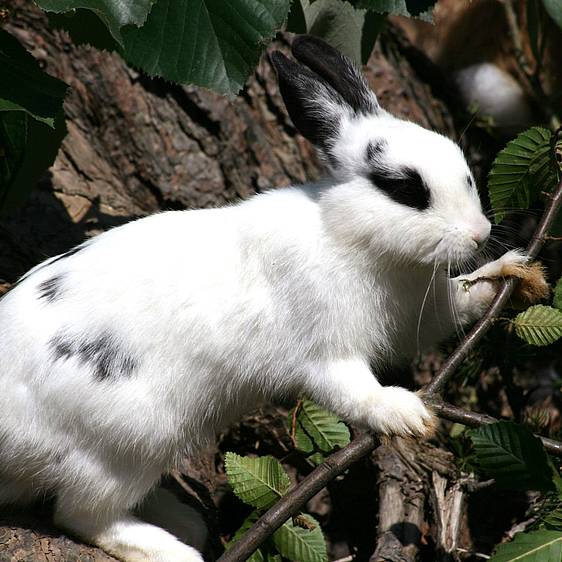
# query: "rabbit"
[[132, 350]]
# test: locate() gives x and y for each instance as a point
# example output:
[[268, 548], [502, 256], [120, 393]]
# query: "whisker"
[[431, 280]]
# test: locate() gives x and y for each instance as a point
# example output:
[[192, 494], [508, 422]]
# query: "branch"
[[291, 502], [438, 383], [339, 461], [452, 413]]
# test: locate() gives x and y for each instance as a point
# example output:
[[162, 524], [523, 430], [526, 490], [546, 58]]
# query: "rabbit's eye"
[[407, 189]]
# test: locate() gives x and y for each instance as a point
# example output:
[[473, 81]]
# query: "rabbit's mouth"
[[455, 252]]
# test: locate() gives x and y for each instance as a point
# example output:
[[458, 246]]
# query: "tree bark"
[[137, 145]]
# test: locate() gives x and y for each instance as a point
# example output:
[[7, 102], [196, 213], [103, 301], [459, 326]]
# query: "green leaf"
[[408, 8], [557, 301], [30, 147], [372, 27], [524, 168], [304, 545], [536, 546], [24, 86], [318, 426], [13, 139], [396, 7], [416, 7], [211, 43], [513, 456], [85, 28], [259, 555], [338, 23], [554, 9], [296, 22], [114, 14], [539, 325], [257, 481]]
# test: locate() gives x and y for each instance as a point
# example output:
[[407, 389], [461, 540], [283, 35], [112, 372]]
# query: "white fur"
[[496, 94], [298, 291]]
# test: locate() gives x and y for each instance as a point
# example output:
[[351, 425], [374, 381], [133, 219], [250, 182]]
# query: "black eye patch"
[[407, 188]]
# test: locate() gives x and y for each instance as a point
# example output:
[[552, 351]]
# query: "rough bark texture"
[[136, 146], [406, 471]]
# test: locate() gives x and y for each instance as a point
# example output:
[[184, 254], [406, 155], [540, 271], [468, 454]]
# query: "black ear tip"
[[279, 60], [306, 43]]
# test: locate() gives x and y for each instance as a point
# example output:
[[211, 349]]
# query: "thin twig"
[[338, 462], [291, 502], [447, 411], [438, 383]]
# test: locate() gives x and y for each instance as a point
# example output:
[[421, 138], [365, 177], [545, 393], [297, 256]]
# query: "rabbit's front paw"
[[397, 411]]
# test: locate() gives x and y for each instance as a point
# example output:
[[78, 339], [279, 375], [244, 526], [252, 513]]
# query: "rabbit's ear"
[[315, 108], [338, 71]]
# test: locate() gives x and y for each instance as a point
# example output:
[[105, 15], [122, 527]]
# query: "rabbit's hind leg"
[[118, 532], [162, 508]]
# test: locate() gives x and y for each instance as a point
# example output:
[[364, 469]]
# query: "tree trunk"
[[137, 145]]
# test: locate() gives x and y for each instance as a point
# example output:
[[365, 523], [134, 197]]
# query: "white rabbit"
[[135, 348]]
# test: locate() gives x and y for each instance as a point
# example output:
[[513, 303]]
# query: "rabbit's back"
[[151, 336]]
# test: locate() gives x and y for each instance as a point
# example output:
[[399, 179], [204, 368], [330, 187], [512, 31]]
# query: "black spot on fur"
[[51, 289], [407, 188], [375, 150], [103, 353], [62, 348], [470, 181]]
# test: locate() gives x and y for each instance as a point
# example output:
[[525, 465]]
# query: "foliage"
[[210, 43], [260, 481], [539, 325], [114, 15], [31, 124], [524, 168], [536, 546], [316, 432], [516, 459], [513, 456], [294, 542]]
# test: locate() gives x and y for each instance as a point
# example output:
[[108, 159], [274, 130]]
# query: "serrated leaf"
[[325, 430], [557, 301], [210, 43], [396, 7], [85, 28], [554, 10], [24, 86], [524, 168], [302, 545], [338, 23], [536, 546], [539, 325], [29, 147], [372, 27], [257, 481], [259, 555], [513, 456], [114, 14], [408, 8]]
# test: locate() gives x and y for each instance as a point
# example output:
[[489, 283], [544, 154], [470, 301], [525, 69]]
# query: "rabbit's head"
[[406, 190]]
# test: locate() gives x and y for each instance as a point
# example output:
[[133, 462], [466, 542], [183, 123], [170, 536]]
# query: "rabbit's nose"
[[481, 234]]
